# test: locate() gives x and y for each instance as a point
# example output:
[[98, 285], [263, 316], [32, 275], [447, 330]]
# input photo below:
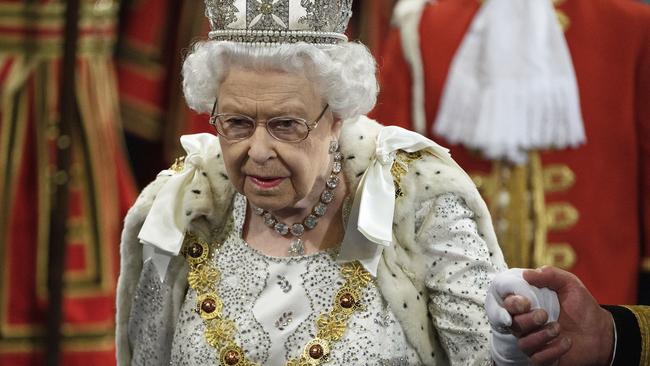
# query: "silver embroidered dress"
[[275, 301]]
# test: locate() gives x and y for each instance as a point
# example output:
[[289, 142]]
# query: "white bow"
[[164, 227], [374, 201]]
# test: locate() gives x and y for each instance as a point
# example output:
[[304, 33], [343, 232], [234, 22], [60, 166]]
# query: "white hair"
[[343, 74]]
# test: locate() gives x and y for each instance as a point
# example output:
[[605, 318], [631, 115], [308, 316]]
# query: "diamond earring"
[[334, 146]]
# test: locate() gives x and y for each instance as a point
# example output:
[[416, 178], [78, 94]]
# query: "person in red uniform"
[[585, 209], [99, 182]]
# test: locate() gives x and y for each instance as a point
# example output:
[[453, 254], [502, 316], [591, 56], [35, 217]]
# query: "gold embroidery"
[[401, 166], [522, 219], [331, 326], [558, 178], [562, 18], [178, 165], [642, 314], [356, 275], [540, 244], [220, 333], [509, 198], [561, 216], [203, 277], [559, 255]]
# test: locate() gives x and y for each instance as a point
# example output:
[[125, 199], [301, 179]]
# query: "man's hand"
[[583, 334]]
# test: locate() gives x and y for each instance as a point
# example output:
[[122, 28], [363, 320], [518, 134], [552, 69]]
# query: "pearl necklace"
[[297, 246]]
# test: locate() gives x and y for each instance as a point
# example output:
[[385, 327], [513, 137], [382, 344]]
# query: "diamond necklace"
[[296, 230]]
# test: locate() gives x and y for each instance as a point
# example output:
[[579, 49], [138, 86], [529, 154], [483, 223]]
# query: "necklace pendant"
[[296, 248]]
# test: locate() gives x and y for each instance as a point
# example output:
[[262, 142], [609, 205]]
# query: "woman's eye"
[[238, 122], [285, 123]]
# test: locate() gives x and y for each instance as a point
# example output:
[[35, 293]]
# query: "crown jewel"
[[279, 21]]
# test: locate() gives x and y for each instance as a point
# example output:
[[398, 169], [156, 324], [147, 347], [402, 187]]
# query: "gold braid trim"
[[179, 165], [204, 276], [642, 314], [401, 166]]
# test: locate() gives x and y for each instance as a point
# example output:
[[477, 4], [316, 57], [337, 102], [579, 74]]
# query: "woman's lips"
[[266, 182]]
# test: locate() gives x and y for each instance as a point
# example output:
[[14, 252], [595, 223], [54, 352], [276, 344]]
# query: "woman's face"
[[272, 174]]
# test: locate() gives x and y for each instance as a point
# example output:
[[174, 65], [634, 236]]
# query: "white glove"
[[504, 348]]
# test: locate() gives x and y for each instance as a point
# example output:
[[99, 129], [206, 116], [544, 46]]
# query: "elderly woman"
[[304, 233]]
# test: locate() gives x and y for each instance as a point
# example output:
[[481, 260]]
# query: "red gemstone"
[[208, 305], [196, 250], [231, 357], [347, 300], [316, 351]]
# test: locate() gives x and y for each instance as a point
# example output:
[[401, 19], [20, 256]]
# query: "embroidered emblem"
[[285, 319], [383, 319], [284, 284]]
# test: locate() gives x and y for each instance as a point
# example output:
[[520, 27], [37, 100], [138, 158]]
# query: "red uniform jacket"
[[585, 209]]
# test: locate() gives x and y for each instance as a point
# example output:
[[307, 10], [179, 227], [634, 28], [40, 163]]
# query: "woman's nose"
[[262, 145]]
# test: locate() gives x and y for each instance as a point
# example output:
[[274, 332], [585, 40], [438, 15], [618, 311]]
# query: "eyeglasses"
[[237, 127]]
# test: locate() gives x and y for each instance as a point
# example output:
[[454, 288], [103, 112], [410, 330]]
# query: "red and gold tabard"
[[585, 209], [101, 188], [155, 37]]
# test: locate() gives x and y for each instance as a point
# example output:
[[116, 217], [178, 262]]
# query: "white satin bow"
[[374, 202], [164, 227]]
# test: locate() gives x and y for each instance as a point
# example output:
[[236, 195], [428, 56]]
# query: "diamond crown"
[[279, 21]]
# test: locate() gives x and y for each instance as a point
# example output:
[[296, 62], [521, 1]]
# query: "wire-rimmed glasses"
[[237, 127]]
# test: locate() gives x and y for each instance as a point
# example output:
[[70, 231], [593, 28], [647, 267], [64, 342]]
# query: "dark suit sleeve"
[[632, 334]]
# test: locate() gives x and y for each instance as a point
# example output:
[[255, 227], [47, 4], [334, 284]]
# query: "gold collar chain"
[[204, 276]]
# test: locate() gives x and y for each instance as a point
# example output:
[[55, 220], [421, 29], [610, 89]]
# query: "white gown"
[[275, 301]]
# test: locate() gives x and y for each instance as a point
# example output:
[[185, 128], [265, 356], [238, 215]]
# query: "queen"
[[301, 232]]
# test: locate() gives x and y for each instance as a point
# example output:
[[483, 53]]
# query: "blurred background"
[[92, 109]]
